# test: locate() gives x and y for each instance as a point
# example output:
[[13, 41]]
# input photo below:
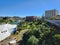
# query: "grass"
[[19, 35]]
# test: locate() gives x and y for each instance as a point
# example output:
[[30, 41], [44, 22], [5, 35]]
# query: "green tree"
[[32, 41]]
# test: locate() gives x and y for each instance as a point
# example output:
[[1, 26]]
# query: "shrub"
[[32, 41]]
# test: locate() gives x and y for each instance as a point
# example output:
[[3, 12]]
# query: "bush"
[[32, 41], [57, 36]]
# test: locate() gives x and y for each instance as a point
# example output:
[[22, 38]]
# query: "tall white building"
[[51, 13]]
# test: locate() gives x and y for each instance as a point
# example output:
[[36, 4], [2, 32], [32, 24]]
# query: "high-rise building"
[[51, 13]]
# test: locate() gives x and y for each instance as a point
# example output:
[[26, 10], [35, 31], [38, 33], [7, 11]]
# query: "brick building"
[[31, 18]]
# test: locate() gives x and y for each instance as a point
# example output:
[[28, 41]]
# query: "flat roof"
[[56, 22]]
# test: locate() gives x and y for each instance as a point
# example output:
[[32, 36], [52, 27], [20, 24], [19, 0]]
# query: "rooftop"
[[56, 22]]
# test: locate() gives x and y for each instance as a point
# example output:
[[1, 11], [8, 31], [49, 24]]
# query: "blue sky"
[[27, 7]]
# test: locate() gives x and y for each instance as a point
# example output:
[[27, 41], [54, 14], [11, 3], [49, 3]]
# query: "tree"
[[32, 41], [52, 18]]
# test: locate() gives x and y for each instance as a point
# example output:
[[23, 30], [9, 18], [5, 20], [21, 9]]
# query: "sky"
[[24, 8]]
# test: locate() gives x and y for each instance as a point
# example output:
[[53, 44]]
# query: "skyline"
[[24, 8]]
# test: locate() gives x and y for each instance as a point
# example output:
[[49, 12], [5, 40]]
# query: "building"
[[31, 18], [54, 22], [51, 13], [6, 30]]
